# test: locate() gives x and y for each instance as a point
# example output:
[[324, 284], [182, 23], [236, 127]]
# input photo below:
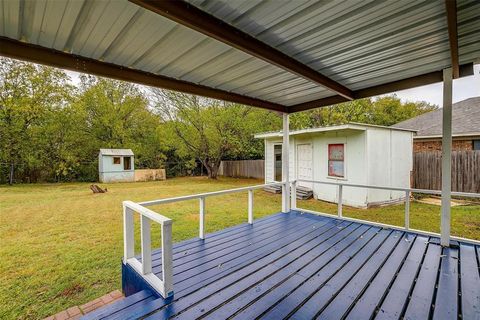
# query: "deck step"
[[303, 193], [121, 306], [273, 189]]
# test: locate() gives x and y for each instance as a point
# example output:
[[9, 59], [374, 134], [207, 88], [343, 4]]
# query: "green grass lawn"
[[61, 245]]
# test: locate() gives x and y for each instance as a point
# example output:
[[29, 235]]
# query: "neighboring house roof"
[[465, 120], [116, 152], [348, 126]]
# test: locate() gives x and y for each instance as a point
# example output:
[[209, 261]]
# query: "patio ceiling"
[[284, 56]]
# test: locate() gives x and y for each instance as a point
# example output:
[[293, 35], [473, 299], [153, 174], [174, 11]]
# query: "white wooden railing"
[[202, 201], [164, 286], [407, 191]]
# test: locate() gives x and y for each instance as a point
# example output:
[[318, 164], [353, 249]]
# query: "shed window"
[[336, 160], [127, 163], [476, 144], [116, 160]]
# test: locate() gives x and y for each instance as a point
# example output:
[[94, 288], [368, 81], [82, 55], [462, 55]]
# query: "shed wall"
[[375, 156]]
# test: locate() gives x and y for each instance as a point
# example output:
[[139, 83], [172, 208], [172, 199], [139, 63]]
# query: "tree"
[[210, 130], [385, 111], [28, 95], [116, 114]]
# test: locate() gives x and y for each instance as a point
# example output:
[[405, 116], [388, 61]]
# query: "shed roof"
[[116, 152], [465, 120], [351, 126], [287, 56]]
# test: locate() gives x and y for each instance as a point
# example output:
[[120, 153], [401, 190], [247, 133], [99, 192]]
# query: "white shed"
[[116, 165], [352, 153]]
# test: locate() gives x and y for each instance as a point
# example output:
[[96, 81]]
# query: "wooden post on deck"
[[446, 157], [285, 165]]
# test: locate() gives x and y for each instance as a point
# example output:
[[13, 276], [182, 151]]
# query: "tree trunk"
[[212, 168], [10, 176]]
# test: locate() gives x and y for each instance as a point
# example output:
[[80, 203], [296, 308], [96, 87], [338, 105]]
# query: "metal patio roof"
[[286, 56]]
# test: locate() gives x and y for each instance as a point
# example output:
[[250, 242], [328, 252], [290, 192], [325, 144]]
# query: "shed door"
[[304, 164]]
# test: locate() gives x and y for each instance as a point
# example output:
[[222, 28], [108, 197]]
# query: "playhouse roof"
[[116, 152]]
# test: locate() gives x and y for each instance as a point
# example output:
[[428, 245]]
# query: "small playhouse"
[[116, 165], [352, 153]]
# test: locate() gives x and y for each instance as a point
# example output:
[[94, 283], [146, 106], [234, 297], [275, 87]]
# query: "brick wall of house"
[[436, 145]]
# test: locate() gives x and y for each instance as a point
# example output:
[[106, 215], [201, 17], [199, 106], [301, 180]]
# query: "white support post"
[[201, 233], [146, 245], [285, 164], [407, 210], [340, 200], [250, 206], [128, 234], [167, 259], [293, 195], [446, 157]]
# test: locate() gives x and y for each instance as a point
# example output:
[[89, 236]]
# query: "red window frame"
[[331, 171]]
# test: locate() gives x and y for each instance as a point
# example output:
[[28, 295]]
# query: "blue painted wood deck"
[[302, 266]]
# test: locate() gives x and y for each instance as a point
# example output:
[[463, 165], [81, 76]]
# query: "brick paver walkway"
[[77, 312]]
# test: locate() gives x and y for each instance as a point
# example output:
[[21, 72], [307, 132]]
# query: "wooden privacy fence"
[[243, 169], [427, 171]]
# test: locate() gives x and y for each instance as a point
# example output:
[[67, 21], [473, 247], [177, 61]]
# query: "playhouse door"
[[304, 164]]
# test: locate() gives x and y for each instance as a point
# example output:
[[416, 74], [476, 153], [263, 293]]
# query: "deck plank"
[[331, 260], [248, 251], [397, 297], [134, 299], [322, 295], [209, 296], [258, 284], [215, 238], [470, 280], [446, 306], [302, 266], [366, 305], [339, 306], [244, 244], [422, 296], [293, 247], [305, 291]]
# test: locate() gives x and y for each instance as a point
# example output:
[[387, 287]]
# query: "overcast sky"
[[463, 88]]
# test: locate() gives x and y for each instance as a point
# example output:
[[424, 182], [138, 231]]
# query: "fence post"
[[250, 206], [128, 233], [167, 258], [293, 195], [146, 245], [407, 210], [340, 198], [202, 218]]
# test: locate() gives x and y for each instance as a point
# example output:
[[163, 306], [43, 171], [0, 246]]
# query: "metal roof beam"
[[196, 19], [34, 53], [417, 81], [451, 7]]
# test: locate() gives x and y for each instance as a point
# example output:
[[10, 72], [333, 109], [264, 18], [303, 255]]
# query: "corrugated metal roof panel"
[[357, 43]]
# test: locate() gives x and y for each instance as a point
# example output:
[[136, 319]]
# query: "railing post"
[[167, 259], [293, 195], [407, 210], [128, 233], [340, 198], [285, 165], [250, 206], [446, 157], [201, 234], [146, 245]]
